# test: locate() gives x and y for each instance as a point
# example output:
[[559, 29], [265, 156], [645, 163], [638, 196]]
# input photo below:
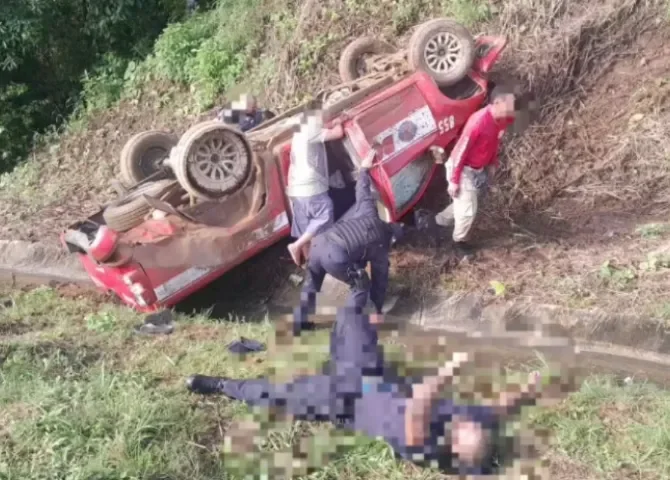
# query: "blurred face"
[[251, 105], [503, 106], [468, 441]]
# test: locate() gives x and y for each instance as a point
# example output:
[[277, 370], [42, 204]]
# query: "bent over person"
[[343, 250], [473, 163], [358, 392]]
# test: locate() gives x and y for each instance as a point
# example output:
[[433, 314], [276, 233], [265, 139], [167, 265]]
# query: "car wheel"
[[212, 160], [129, 211], [353, 63], [444, 49], [143, 155]]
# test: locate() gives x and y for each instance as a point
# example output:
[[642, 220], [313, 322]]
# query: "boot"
[[464, 251], [204, 384]]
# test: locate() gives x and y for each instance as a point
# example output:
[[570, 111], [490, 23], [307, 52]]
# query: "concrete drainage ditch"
[[605, 342]]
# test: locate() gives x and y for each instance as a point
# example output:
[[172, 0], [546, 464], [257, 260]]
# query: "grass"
[[81, 397]]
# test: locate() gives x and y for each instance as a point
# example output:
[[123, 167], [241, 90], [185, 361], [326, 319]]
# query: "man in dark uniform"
[[358, 238], [248, 117], [357, 393]]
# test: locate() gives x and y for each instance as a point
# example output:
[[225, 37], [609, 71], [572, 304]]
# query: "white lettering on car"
[[446, 124]]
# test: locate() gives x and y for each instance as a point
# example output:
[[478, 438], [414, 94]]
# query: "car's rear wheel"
[[354, 59], [212, 160], [129, 211], [143, 156], [444, 49]]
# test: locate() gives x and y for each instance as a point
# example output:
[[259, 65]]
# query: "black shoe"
[[204, 384], [151, 329], [464, 251], [164, 317]]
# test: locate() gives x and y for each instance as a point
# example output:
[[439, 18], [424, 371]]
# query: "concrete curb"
[[36, 263]]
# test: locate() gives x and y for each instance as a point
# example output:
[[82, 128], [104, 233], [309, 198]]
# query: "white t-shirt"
[[308, 171]]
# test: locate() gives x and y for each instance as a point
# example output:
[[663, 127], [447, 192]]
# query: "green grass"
[[82, 397]]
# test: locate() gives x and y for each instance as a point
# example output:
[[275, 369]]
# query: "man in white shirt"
[[308, 183]]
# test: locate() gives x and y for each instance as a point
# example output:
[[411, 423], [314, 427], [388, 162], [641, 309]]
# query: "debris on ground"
[[159, 323], [245, 345]]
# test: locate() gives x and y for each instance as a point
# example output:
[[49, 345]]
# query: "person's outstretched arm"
[[365, 201], [418, 411]]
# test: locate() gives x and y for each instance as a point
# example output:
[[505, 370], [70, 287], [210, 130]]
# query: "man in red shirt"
[[472, 165]]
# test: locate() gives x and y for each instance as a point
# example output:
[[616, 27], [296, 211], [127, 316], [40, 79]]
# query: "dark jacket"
[[366, 238]]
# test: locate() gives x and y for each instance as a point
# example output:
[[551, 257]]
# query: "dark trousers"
[[326, 257], [355, 353]]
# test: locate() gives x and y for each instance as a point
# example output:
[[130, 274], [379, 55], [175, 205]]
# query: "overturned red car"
[[214, 198]]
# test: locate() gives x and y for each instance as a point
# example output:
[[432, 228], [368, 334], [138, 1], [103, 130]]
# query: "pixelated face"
[[503, 106], [246, 103], [311, 123], [468, 441]]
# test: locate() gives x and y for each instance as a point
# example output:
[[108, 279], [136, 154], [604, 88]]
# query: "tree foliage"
[[48, 46]]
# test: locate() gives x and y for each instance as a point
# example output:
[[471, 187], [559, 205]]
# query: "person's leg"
[[319, 213], [312, 286], [465, 211], [445, 218], [306, 397]]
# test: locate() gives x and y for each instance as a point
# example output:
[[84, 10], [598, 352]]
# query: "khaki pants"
[[463, 210]]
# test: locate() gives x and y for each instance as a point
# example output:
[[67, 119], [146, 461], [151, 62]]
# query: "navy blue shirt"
[[380, 413]]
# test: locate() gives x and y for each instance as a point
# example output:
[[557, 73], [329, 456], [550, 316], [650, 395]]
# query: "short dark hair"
[[501, 91]]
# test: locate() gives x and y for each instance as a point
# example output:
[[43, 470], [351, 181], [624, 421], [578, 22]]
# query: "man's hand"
[[451, 367], [453, 189], [438, 154], [367, 161]]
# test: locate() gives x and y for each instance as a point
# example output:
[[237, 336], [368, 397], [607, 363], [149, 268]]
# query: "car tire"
[[434, 36], [129, 211], [210, 140], [143, 155], [349, 66]]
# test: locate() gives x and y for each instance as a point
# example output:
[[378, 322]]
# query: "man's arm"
[[417, 413], [459, 154], [379, 266], [334, 133], [510, 403], [365, 202]]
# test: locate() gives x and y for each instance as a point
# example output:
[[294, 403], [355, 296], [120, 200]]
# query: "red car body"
[[172, 258]]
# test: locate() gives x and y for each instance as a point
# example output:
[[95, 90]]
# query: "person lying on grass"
[[356, 394]]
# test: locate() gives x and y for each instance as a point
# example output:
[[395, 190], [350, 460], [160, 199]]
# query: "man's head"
[[469, 441], [251, 104], [246, 103], [503, 103], [309, 125]]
